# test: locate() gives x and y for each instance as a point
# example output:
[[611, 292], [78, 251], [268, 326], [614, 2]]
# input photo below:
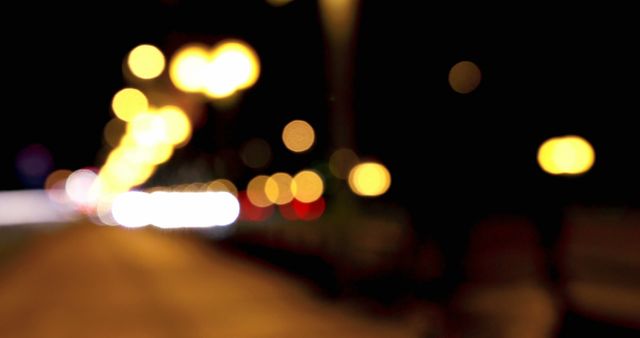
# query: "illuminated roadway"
[[90, 281]]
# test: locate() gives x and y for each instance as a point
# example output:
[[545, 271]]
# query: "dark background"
[[546, 72]]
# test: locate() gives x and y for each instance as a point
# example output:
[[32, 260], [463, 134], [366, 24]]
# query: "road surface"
[[91, 281]]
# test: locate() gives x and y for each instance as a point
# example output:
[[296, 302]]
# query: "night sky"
[[545, 73]]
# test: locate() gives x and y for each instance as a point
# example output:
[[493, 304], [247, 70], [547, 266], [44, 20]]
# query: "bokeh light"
[[33, 163], [177, 124], [148, 141], [172, 210], [251, 212], [256, 153], [567, 155], [55, 185], [309, 211], [339, 21], [222, 184], [219, 79], [29, 207], [129, 165], [278, 188], [464, 77], [148, 129], [341, 162], [113, 132], [128, 103], [187, 68], [307, 186], [298, 136], [287, 212], [131, 209], [369, 179], [196, 187], [79, 187], [139, 154], [56, 179], [233, 65], [256, 191], [103, 214], [158, 154], [126, 173], [146, 62]]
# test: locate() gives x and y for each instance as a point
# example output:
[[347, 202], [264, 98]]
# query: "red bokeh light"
[[250, 212], [308, 211]]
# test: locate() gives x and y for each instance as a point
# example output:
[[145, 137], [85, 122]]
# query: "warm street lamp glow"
[[369, 179], [187, 68], [128, 103], [146, 62], [298, 136], [568, 155], [307, 186], [464, 77], [278, 188]]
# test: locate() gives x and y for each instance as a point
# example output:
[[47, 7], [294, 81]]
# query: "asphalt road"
[[90, 281]]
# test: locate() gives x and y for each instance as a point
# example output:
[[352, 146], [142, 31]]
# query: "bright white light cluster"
[[171, 210], [229, 66], [32, 207]]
